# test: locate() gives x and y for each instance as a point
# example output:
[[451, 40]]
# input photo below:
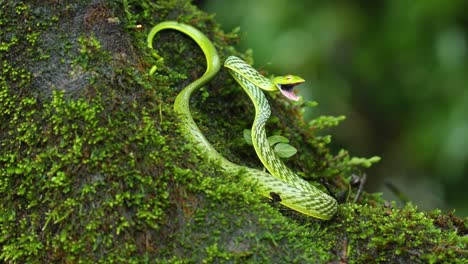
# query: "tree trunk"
[[94, 169]]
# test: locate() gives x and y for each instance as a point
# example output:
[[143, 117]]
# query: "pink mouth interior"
[[290, 94]]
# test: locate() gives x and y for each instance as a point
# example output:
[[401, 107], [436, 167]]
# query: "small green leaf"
[[364, 162], [248, 136], [310, 104], [284, 150], [277, 139]]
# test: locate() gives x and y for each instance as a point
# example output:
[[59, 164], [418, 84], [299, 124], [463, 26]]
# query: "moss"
[[94, 169], [393, 235]]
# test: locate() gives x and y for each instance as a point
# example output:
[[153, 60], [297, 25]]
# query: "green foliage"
[[364, 162], [94, 170], [128, 14], [322, 122], [399, 234], [279, 144], [275, 139], [284, 150], [247, 134]]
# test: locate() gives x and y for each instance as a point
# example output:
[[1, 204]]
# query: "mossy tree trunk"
[[93, 167]]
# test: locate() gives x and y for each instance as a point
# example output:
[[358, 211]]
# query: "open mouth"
[[288, 90]]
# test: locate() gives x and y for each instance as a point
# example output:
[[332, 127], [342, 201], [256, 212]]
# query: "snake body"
[[282, 185]]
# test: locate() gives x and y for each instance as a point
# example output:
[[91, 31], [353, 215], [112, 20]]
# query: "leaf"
[[284, 150], [310, 104], [364, 162], [248, 136], [13, 170], [277, 139]]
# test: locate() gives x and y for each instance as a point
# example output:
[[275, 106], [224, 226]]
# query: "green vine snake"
[[281, 185]]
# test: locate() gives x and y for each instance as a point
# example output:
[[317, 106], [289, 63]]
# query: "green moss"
[[94, 169], [387, 234]]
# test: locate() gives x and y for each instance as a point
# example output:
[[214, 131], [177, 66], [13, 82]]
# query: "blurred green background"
[[397, 69]]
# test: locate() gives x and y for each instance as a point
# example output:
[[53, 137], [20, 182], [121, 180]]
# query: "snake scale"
[[281, 184]]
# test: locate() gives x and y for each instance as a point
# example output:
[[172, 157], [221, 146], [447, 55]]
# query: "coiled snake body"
[[282, 184]]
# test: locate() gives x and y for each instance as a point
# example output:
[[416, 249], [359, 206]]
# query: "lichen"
[[93, 167]]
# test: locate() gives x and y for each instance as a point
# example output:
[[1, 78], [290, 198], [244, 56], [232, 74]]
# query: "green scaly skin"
[[282, 185]]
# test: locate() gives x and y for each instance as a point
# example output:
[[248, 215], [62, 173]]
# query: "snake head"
[[286, 85]]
